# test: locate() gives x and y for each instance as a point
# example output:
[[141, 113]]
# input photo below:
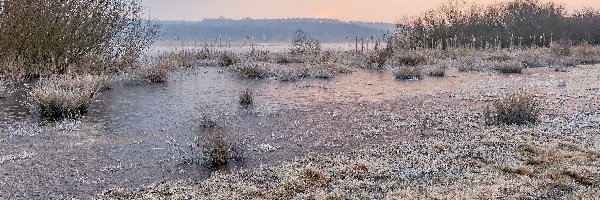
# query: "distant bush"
[[303, 43], [514, 109], [53, 37], [246, 97]]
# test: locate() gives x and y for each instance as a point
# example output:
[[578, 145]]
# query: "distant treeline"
[[514, 23], [270, 30]]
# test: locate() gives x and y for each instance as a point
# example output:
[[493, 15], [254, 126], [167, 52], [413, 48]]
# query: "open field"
[[333, 131]]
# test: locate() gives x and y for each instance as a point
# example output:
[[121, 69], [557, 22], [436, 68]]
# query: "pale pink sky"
[[361, 10]]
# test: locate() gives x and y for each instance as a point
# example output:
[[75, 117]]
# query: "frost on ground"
[[22, 155], [548, 160], [453, 156]]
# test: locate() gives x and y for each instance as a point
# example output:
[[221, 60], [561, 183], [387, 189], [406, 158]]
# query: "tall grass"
[[514, 109], [66, 96], [246, 97]]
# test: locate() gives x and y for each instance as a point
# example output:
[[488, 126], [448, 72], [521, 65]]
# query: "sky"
[[349, 10]]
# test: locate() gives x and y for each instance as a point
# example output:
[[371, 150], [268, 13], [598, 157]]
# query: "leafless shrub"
[[49, 36], [303, 43], [517, 109], [65, 96], [246, 97], [408, 73]]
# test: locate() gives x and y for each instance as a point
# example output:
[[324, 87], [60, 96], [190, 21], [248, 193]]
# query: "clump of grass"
[[228, 59], [252, 70], [212, 143], [509, 67], [65, 96], [438, 71], [219, 147], [246, 97], [408, 73], [514, 109]]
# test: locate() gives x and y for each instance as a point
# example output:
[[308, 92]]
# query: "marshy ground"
[[363, 134]]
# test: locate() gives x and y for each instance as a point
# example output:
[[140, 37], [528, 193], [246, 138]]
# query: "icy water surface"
[[126, 137]]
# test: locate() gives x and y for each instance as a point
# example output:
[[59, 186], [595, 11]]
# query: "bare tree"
[[303, 43], [48, 36]]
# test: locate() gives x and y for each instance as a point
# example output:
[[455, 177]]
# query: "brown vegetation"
[[246, 97], [66, 96], [514, 109]]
